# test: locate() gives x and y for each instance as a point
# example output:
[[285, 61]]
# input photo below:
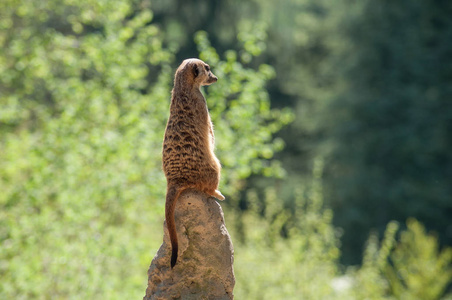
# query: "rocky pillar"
[[204, 266]]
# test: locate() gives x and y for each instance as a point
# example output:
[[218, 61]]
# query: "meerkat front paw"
[[217, 194]]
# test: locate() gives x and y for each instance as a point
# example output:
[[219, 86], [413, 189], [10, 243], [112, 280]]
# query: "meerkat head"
[[197, 71]]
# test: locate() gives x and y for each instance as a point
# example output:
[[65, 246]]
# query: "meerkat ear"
[[195, 70]]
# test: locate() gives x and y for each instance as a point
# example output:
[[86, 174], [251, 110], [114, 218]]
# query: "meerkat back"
[[188, 147]]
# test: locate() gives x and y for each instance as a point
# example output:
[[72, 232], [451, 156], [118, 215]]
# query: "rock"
[[204, 266]]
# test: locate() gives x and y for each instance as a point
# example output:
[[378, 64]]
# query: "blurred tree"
[[369, 83], [387, 131], [220, 19]]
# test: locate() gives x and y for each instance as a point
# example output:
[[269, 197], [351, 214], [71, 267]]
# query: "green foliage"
[[409, 268], [85, 91], [79, 163], [419, 270], [305, 264], [301, 266], [370, 279]]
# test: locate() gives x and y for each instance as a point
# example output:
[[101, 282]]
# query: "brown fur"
[[188, 157]]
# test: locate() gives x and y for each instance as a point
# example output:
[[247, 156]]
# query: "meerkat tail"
[[172, 194]]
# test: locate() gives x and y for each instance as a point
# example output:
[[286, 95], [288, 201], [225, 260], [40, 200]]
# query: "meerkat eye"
[[207, 68]]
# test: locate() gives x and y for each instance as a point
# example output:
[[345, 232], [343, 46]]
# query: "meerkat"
[[188, 147]]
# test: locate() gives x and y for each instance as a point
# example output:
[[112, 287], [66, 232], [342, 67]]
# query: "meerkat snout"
[[212, 79]]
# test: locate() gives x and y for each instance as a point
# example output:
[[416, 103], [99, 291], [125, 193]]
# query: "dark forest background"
[[370, 84]]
